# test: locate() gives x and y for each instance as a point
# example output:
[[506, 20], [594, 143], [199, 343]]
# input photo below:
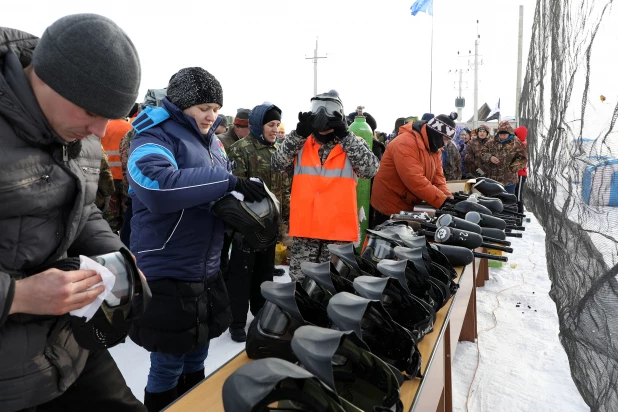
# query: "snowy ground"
[[517, 364]]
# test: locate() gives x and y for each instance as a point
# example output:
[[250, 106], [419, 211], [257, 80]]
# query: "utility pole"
[[315, 67], [476, 80], [519, 53], [459, 109]]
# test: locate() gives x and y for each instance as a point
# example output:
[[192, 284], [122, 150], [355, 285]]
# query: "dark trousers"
[[125, 232], [247, 269], [100, 387], [377, 218], [519, 192], [225, 252]]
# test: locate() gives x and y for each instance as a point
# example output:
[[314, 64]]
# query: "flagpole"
[[431, 65]]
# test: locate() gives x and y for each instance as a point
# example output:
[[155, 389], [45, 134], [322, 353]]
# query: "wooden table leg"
[[447, 395]]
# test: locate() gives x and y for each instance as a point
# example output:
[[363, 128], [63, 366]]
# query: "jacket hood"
[[522, 133], [256, 119], [20, 42], [18, 104], [418, 126]]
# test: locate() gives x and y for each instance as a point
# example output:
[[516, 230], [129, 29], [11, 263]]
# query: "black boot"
[[156, 402], [188, 381], [238, 334]]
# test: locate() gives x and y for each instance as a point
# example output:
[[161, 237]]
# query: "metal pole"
[[460, 109], [519, 62], [431, 68], [315, 69], [476, 82], [315, 66]]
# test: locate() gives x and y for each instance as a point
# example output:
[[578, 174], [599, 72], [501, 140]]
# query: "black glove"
[[253, 191], [304, 126], [339, 126], [448, 202]]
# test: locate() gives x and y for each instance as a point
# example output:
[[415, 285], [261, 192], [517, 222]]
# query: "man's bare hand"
[[494, 160], [55, 292]]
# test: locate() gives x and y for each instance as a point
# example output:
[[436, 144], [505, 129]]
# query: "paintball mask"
[[257, 221], [277, 385], [325, 108], [110, 324]]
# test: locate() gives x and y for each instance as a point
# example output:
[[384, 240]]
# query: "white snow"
[[517, 364]]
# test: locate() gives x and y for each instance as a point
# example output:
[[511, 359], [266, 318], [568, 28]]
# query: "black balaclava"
[[436, 130]]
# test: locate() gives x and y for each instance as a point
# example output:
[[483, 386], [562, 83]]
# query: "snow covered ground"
[[517, 364]]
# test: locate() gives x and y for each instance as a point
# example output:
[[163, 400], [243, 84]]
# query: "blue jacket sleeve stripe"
[[146, 150]]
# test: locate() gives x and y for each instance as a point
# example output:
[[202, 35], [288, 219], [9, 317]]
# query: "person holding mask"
[[411, 169], [56, 92], [325, 159], [249, 268], [176, 169]]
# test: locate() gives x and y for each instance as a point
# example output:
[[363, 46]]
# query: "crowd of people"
[[150, 185]]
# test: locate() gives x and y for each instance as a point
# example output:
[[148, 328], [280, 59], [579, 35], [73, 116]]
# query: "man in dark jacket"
[[239, 130], [52, 98]]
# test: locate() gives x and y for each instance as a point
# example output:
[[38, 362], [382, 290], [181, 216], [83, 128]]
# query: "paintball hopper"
[[456, 255], [458, 223], [488, 187], [484, 220]]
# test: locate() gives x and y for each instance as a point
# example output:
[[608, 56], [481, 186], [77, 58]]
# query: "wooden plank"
[[463, 312], [207, 396], [448, 382]]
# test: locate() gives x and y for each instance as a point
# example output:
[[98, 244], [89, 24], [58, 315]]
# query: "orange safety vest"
[[116, 129], [323, 198]]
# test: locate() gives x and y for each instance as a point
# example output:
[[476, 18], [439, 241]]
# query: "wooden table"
[[454, 322]]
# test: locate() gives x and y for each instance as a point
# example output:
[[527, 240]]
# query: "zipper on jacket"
[[25, 183], [197, 312], [92, 170], [65, 154]]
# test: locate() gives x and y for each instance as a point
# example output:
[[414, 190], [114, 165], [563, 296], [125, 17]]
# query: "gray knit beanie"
[[91, 62], [192, 86]]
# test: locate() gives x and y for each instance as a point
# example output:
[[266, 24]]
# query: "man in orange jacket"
[[326, 160], [116, 129], [411, 168]]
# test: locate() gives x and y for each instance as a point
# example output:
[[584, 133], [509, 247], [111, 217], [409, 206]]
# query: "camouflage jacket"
[[364, 162], [512, 155], [451, 161], [228, 138], [106, 184], [473, 163], [253, 159], [125, 144]]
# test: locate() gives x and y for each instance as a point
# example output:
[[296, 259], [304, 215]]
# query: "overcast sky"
[[378, 54]]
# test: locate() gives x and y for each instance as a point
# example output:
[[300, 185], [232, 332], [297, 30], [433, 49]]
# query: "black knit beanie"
[[192, 86], [272, 114], [91, 62]]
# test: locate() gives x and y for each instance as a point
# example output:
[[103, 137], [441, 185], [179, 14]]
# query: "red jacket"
[[522, 133], [409, 173]]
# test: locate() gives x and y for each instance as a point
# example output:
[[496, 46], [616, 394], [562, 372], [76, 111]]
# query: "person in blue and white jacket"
[[177, 167]]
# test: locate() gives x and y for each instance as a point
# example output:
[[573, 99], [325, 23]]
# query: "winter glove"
[[304, 126], [449, 201], [253, 191], [339, 126]]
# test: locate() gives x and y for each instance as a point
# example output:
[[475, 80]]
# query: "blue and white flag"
[[422, 5]]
